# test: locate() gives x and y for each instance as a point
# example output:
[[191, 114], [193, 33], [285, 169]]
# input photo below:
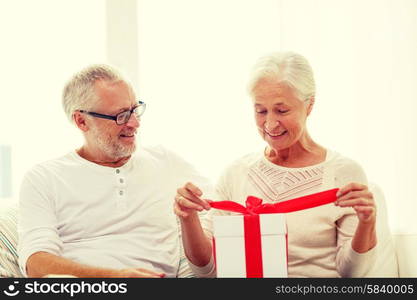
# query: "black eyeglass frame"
[[141, 104]]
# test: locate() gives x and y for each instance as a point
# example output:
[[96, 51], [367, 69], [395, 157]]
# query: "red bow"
[[254, 205]]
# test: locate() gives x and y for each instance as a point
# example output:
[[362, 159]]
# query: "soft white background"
[[190, 61]]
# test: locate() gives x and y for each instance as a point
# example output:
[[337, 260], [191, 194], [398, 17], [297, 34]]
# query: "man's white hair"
[[79, 91], [290, 68]]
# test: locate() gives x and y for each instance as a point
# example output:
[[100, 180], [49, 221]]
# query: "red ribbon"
[[252, 229], [253, 246], [254, 205]]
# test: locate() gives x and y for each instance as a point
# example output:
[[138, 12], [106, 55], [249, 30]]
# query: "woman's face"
[[280, 116]]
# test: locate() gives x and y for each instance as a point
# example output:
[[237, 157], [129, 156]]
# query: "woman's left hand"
[[358, 196]]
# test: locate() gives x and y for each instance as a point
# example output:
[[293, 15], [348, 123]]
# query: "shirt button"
[[121, 193], [121, 180], [117, 171]]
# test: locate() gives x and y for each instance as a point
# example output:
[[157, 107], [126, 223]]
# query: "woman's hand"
[[188, 201], [358, 196]]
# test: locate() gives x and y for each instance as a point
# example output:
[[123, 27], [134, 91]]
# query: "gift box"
[[254, 244], [250, 246]]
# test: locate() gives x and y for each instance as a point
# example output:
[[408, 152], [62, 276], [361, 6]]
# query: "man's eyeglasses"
[[122, 117]]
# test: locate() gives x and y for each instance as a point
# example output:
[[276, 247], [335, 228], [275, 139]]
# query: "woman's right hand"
[[188, 201]]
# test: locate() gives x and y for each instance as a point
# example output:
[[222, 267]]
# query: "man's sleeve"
[[37, 226], [184, 172]]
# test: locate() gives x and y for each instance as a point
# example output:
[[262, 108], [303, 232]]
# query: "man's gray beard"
[[111, 149]]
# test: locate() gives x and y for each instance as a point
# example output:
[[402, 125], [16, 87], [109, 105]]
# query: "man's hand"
[[139, 273]]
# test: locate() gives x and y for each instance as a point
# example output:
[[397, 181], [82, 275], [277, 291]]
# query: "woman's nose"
[[271, 123]]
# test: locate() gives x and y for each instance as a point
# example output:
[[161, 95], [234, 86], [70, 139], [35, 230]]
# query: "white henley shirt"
[[107, 217]]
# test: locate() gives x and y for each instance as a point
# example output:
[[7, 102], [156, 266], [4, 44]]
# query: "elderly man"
[[102, 210]]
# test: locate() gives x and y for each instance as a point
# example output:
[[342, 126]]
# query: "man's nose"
[[134, 121]]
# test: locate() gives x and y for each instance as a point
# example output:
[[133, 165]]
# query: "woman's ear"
[[310, 105], [80, 121]]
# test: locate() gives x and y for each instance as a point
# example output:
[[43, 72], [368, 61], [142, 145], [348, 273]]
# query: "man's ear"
[[310, 105], [80, 121]]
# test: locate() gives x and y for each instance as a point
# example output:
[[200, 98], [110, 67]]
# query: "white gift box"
[[229, 245]]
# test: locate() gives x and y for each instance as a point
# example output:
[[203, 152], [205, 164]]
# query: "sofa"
[[396, 252], [8, 240]]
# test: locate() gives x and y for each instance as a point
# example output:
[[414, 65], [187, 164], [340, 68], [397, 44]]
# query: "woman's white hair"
[[79, 91], [290, 68]]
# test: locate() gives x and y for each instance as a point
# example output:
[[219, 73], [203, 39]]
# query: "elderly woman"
[[327, 241]]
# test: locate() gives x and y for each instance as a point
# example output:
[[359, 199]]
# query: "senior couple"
[[106, 208]]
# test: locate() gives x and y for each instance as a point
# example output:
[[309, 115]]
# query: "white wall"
[[122, 36], [42, 43], [194, 59], [364, 56]]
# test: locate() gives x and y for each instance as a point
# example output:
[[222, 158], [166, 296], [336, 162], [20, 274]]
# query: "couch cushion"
[[386, 263], [406, 245], [9, 266]]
